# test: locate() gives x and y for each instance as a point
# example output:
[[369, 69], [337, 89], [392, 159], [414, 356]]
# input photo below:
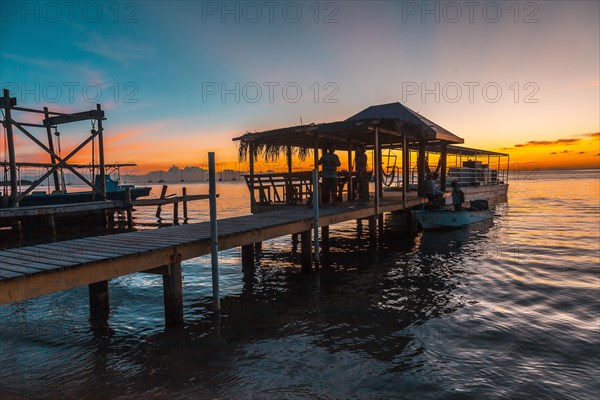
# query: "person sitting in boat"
[[458, 197], [432, 193]]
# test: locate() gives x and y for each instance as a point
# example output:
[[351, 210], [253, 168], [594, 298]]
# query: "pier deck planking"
[[43, 269]]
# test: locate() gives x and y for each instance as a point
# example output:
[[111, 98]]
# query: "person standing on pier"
[[362, 177], [330, 162]]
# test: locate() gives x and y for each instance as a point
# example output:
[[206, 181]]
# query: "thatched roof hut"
[[392, 121]]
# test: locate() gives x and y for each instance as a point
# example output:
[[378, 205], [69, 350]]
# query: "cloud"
[[553, 152], [581, 152], [121, 50], [58, 65], [548, 142]]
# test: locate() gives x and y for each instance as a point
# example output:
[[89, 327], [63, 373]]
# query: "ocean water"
[[508, 309]]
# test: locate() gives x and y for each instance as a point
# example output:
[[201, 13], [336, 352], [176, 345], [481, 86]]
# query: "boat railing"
[[475, 176]]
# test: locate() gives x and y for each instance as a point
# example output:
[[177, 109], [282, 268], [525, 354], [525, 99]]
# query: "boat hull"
[[445, 219], [79, 197]]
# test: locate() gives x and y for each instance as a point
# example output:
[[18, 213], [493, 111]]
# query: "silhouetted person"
[[458, 196], [362, 177], [330, 162]]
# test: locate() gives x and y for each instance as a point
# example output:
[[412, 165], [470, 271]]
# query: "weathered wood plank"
[[31, 259], [85, 261], [7, 274]]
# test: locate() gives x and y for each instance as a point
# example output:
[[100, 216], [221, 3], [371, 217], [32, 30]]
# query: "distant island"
[[187, 174]]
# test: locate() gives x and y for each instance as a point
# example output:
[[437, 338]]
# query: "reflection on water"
[[502, 309]]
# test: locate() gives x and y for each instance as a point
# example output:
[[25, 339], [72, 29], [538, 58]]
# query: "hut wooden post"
[[289, 158], [51, 147], [421, 167], [289, 188], [101, 154], [405, 169], [251, 167], [99, 303], [377, 170], [350, 182], [443, 166], [173, 293], [14, 190]]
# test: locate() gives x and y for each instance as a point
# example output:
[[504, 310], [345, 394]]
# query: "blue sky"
[[155, 62]]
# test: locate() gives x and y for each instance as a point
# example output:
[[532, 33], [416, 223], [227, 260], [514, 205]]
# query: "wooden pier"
[[33, 271]]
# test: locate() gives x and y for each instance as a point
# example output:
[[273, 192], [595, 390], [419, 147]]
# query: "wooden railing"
[[294, 188]]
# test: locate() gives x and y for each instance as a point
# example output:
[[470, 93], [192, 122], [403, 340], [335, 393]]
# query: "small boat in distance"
[[447, 219]]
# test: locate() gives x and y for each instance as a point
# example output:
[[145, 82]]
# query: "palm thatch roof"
[[393, 121]]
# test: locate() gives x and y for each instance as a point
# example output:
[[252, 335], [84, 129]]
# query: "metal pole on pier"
[[214, 245], [316, 212]]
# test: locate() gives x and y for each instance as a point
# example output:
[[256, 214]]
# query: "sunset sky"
[[179, 79]]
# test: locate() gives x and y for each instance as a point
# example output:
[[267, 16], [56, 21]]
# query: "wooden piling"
[[14, 189], [185, 208], [359, 226], [128, 208], [372, 230], [294, 239], [380, 220], [176, 213], [52, 226], [99, 302], [247, 256], [163, 193], [325, 236], [306, 250], [173, 294]]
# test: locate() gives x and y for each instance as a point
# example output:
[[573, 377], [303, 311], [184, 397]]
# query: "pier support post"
[[359, 226], [176, 213], [99, 304], [173, 294], [247, 256], [380, 220], [294, 239], [128, 208], [372, 230], [306, 250], [163, 193], [52, 226], [185, 208], [325, 237]]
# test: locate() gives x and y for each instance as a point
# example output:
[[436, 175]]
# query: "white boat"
[[446, 219]]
